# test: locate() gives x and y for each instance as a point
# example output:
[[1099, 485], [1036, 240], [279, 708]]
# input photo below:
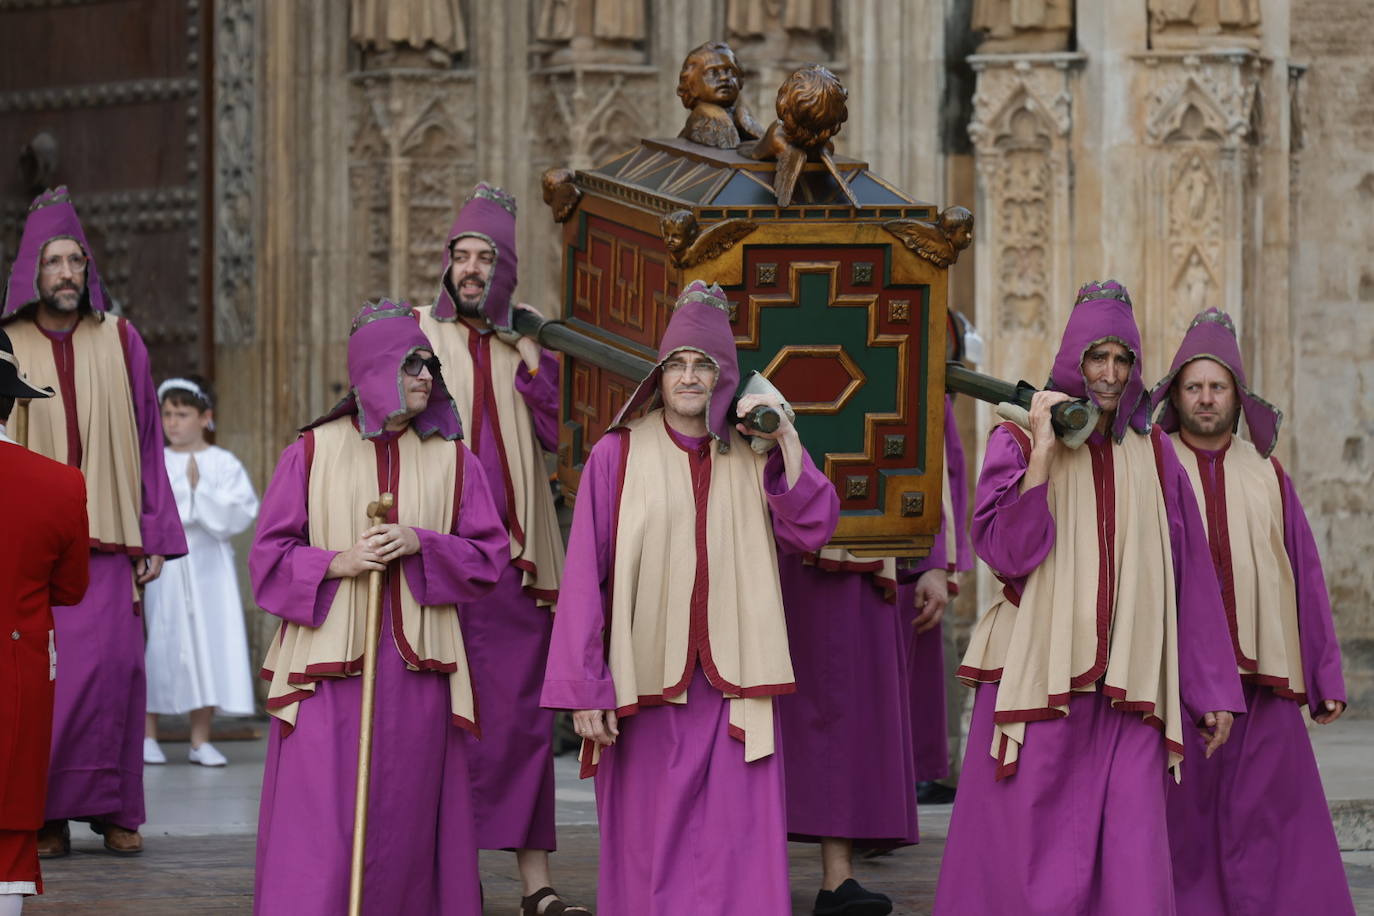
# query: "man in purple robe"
[[670, 640], [1108, 642], [442, 545], [1250, 828], [506, 389], [104, 420]]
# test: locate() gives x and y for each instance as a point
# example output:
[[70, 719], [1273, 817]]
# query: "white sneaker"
[[152, 752], [206, 756]]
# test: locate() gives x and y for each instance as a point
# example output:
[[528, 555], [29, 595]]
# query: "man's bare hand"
[[148, 568], [528, 347], [391, 542], [1334, 708], [1216, 728], [361, 558], [932, 596], [599, 725], [1042, 432]]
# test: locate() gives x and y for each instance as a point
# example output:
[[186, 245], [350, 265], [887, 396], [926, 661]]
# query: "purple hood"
[[1212, 335], [700, 322], [488, 214], [384, 334], [1102, 312], [51, 216]]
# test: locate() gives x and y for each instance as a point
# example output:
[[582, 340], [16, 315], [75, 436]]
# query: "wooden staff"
[[20, 432], [377, 513]]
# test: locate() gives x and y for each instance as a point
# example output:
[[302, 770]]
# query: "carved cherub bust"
[[709, 85], [560, 193], [812, 106], [679, 229]]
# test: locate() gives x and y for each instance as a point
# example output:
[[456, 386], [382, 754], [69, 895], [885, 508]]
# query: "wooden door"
[[111, 98]]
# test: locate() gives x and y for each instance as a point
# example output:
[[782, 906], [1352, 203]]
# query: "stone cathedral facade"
[[1203, 152]]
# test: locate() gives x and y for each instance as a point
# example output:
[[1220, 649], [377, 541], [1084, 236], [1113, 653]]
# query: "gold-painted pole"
[[20, 427], [377, 512]]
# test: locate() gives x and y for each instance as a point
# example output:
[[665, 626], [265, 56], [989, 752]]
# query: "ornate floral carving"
[[235, 172], [1202, 98]]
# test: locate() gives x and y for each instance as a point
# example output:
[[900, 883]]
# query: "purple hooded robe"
[[1250, 828], [1079, 828], [512, 766], [421, 852], [96, 771], [687, 826]]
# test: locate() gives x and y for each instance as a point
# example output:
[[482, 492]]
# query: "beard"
[[64, 298], [1209, 426]]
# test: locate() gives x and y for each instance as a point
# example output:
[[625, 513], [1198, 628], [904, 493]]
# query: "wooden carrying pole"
[[377, 512]]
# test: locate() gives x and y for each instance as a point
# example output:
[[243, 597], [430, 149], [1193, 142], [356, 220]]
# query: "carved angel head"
[[679, 230], [812, 106], [560, 193], [710, 73], [957, 225]]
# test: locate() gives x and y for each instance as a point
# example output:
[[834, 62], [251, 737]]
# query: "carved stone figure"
[[1023, 25], [752, 18], [812, 106], [688, 247], [612, 20], [560, 193], [1204, 23], [939, 242], [408, 32], [709, 85]]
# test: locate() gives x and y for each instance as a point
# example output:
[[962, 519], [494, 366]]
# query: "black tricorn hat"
[[13, 384]]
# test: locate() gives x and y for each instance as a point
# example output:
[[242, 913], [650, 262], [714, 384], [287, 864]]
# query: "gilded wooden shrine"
[[838, 298]]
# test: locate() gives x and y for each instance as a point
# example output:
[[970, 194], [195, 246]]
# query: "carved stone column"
[[1023, 115], [1198, 191]]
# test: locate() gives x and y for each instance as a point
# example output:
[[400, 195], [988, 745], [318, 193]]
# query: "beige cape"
[[343, 479], [1244, 516], [536, 543], [1102, 606], [105, 425]]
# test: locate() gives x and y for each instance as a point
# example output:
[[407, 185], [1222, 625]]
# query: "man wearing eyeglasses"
[[506, 388], [670, 643], [104, 420]]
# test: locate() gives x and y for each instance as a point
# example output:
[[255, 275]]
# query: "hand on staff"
[[599, 725], [391, 542], [1216, 728], [1044, 444], [148, 568], [361, 558], [932, 596], [1334, 708], [749, 402]]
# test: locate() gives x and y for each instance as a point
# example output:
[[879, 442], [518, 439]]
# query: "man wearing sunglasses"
[[104, 420], [441, 546], [506, 388]]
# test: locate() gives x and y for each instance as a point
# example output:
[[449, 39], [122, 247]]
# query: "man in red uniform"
[[46, 566]]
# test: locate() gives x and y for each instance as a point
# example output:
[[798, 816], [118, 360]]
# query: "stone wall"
[[1330, 413]]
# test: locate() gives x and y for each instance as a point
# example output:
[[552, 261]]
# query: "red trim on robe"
[[1219, 539]]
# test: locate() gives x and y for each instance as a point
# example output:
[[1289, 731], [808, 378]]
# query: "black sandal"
[[529, 906]]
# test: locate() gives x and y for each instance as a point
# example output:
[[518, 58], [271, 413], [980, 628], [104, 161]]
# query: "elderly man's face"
[[62, 275], [1106, 369], [688, 379], [715, 79], [1205, 396], [470, 271]]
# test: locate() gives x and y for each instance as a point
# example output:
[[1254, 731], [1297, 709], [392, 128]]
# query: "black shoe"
[[934, 793], [851, 899]]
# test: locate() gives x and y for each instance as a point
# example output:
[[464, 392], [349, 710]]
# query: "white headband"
[[183, 384]]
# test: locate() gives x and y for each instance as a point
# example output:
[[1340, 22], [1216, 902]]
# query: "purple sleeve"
[[1321, 651], [540, 392], [286, 572], [577, 676], [1012, 531], [159, 522], [464, 564], [958, 489], [804, 516], [1208, 680]]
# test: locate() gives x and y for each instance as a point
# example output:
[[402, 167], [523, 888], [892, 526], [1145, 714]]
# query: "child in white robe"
[[197, 653]]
